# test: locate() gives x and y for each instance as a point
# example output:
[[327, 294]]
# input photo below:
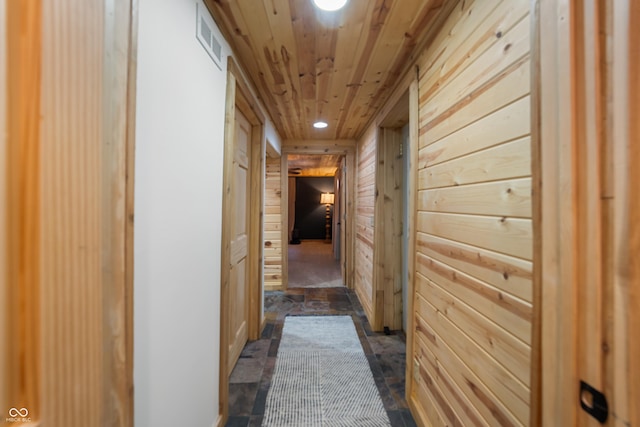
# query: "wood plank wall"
[[68, 134], [72, 311], [472, 335], [273, 244], [365, 207]]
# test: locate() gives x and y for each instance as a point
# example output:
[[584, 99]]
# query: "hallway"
[[312, 265], [251, 378]]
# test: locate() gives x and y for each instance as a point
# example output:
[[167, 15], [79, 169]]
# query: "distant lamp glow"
[[327, 200], [330, 5], [320, 125]]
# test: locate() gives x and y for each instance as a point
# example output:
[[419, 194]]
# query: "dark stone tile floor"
[[251, 378]]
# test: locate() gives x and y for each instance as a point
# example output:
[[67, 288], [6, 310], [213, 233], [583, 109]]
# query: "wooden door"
[[238, 283]]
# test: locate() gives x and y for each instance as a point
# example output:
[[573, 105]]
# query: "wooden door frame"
[[403, 102], [347, 148], [239, 96]]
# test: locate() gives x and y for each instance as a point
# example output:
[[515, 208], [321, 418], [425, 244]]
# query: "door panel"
[[240, 191]]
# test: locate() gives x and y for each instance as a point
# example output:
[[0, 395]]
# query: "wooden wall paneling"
[[558, 313], [4, 206], [632, 214], [494, 407], [513, 122], [274, 243], [506, 273], [284, 216], [591, 197], [365, 233], [623, 368], [473, 219], [77, 226], [22, 195]]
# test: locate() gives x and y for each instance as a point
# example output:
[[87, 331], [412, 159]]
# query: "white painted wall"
[[178, 211]]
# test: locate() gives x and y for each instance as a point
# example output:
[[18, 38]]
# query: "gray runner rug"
[[322, 377]]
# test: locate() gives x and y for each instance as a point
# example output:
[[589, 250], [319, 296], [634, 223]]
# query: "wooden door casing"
[[240, 192]]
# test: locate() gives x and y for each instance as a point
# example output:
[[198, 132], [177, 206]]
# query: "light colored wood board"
[[508, 351], [5, 366], [434, 394], [510, 47], [503, 89], [510, 313], [117, 209], [591, 266], [435, 376], [509, 274], [412, 186], [431, 349], [318, 146], [536, 177], [21, 208], [624, 370], [498, 198], [428, 397], [74, 190], [501, 162], [557, 231], [513, 121], [423, 403], [478, 39], [510, 236]]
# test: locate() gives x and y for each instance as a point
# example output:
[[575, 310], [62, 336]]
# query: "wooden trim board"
[[239, 96]]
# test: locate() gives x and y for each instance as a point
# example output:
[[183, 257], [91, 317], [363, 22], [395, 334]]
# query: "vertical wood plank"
[[117, 206], [412, 185], [536, 189], [129, 206], [633, 211], [284, 214], [557, 263], [23, 196], [73, 156], [624, 368], [4, 204], [229, 137]]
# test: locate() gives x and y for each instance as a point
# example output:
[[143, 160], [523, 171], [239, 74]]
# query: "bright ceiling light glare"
[[320, 125], [330, 5]]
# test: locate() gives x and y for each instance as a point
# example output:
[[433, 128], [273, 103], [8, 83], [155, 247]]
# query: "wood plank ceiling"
[[339, 67], [313, 164]]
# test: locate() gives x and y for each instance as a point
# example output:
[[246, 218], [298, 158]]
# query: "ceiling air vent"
[[204, 33]]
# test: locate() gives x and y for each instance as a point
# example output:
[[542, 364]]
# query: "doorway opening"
[[315, 201], [393, 229]]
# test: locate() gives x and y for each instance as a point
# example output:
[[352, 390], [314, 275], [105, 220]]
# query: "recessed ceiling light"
[[330, 5], [320, 125]]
